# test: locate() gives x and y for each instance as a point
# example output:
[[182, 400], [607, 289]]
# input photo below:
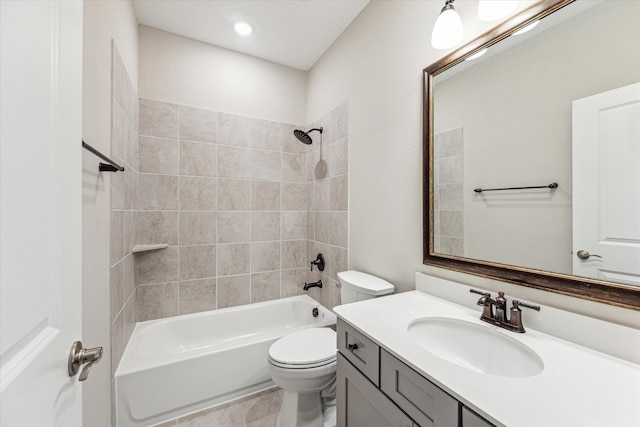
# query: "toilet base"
[[300, 410]]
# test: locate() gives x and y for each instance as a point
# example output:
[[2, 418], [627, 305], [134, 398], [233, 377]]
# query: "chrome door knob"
[[582, 254]]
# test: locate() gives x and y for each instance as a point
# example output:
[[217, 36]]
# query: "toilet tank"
[[357, 286]]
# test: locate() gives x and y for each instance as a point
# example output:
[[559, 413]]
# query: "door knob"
[[79, 356], [582, 254]]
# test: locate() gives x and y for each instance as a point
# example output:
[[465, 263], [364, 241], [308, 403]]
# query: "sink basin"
[[475, 347]]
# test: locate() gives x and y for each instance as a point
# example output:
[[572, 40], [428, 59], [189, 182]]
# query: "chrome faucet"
[[499, 316]]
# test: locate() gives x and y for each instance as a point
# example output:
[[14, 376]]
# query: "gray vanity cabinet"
[[361, 404], [375, 389]]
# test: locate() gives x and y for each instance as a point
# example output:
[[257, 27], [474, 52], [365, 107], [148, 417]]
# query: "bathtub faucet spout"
[[317, 284]]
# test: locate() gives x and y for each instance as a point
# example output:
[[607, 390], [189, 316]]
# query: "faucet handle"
[[517, 304], [484, 294], [516, 315]]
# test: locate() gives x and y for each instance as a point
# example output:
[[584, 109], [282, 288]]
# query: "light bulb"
[[447, 31], [492, 10]]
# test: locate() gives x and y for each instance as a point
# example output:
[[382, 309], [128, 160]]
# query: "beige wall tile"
[[294, 225], [234, 194], [234, 290], [450, 197], [198, 193], [339, 193], [118, 342], [339, 229], [197, 262], [157, 192], [292, 282], [199, 159], [451, 246], [117, 236], [294, 254], [322, 195], [117, 131], [159, 155], [198, 227], [159, 266], [248, 163], [265, 286], [155, 227], [117, 192], [290, 143], [130, 187], [338, 157], [129, 275], [197, 296], [449, 170], [159, 119], [265, 195], [294, 167], [130, 231], [447, 144], [233, 259], [323, 227], [339, 122], [234, 226], [337, 261], [249, 132], [197, 124], [157, 301], [265, 225], [451, 224], [131, 145], [130, 315], [265, 256], [294, 196], [116, 290]]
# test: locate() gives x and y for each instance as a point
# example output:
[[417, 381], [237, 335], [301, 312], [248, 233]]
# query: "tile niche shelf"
[[146, 248]]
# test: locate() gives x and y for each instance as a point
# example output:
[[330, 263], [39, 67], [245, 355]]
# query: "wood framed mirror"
[[528, 236]]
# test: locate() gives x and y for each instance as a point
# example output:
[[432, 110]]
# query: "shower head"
[[304, 136]]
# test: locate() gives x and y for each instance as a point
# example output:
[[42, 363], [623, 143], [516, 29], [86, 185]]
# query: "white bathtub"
[[175, 366]]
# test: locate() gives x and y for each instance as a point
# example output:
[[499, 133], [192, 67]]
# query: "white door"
[[606, 186], [40, 211]]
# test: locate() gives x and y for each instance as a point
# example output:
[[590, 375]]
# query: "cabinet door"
[[417, 396], [471, 419], [361, 404]]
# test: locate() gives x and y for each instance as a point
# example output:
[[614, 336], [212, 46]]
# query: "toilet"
[[303, 363]]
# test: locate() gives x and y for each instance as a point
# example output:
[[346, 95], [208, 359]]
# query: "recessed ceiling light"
[[242, 27]]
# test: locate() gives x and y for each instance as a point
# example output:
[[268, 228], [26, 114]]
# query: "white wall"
[[103, 21], [179, 70], [377, 65]]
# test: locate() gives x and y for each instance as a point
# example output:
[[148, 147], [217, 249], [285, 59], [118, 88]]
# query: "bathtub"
[[179, 365]]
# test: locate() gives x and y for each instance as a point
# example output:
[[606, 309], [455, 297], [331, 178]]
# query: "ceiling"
[[294, 33]]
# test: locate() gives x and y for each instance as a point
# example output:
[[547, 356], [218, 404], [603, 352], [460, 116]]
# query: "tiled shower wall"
[[230, 195], [124, 150], [327, 174], [448, 200]]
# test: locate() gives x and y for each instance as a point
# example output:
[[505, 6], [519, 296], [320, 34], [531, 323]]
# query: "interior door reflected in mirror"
[[524, 116]]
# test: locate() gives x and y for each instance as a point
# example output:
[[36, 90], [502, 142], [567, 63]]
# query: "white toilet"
[[303, 363]]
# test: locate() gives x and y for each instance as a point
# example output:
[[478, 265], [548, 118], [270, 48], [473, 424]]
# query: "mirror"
[[522, 115]]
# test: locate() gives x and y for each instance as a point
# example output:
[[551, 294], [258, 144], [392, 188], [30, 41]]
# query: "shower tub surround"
[[173, 367], [242, 205]]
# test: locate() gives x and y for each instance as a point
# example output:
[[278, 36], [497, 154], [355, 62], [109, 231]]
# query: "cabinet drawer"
[[359, 350], [361, 404], [417, 396]]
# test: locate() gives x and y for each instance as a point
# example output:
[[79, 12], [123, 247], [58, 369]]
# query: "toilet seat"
[[308, 348]]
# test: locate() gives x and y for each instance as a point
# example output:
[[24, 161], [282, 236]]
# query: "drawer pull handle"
[[352, 347]]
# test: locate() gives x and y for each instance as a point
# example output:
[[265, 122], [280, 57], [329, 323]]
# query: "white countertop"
[[578, 386]]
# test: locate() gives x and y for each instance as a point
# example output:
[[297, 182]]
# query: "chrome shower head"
[[304, 136]]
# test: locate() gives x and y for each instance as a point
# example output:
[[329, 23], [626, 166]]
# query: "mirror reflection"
[[558, 104]]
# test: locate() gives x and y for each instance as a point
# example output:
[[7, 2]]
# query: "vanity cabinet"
[[374, 388]]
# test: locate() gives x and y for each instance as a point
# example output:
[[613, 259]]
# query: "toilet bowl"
[[304, 364]]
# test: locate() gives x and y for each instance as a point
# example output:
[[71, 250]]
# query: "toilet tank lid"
[[365, 283]]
